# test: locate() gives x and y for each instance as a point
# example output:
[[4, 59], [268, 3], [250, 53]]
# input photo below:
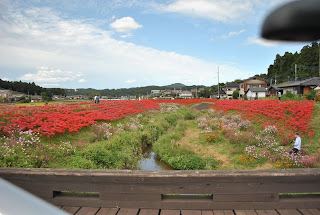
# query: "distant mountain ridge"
[[134, 91]]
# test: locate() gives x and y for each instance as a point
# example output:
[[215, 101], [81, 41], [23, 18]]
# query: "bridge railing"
[[246, 189]]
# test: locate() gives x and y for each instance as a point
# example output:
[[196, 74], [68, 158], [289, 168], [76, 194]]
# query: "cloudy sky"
[[106, 44]]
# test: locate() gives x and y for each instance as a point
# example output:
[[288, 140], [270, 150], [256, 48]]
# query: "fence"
[[246, 189]]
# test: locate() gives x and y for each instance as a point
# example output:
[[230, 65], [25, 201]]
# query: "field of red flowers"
[[51, 119], [286, 115]]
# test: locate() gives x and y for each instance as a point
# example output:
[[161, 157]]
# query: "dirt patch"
[[201, 106], [191, 142]]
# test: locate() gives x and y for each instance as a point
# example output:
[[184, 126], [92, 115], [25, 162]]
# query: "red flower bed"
[[294, 115], [51, 119]]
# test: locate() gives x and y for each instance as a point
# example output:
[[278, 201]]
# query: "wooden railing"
[[251, 189]]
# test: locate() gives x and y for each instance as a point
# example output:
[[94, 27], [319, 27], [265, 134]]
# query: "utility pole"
[[218, 84], [196, 92], [295, 72], [275, 80]]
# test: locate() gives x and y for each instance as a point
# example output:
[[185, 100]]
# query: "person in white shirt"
[[297, 144], [279, 95]]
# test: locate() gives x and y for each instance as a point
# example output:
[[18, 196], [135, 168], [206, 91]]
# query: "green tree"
[[235, 94], [45, 96]]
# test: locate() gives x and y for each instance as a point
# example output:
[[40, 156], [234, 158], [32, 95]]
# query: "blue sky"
[[131, 43]]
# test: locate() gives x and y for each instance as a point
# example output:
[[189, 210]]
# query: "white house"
[[186, 94], [5, 94], [253, 82], [229, 89], [256, 93]]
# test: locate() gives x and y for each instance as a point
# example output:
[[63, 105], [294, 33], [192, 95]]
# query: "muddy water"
[[150, 161]]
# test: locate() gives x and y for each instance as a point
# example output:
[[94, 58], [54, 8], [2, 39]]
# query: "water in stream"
[[150, 161]]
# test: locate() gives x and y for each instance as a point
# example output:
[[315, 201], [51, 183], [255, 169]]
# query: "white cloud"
[[261, 42], [130, 81], [47, 75], [221, 10], [35, 36], [233, 33], [82, 81], [125, 24]]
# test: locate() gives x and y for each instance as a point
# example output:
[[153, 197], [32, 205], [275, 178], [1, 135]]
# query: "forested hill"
[[135, 91], [307, 61], [33, 89], [30, 88]]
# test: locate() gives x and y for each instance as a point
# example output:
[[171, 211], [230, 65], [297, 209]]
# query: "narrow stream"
[[150, 161]]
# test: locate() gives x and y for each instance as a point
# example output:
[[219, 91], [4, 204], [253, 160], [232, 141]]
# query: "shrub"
[[235, 94], [211, 137]]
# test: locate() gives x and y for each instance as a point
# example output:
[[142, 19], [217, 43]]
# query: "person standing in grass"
[[279, 95], [96, 99], [297, 144]]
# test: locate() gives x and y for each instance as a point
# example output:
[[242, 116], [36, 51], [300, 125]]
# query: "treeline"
[[283, 68], [135, 91], [30, 88]]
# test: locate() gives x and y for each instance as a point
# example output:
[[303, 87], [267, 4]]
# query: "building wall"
[[252, 95], [306, 90], [289, 89], [230, 91]]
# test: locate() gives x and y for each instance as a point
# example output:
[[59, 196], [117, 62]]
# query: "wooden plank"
[[149, 212], [304, 212], [191, 212], [71, 210], [223, 212], [266, 212], [288, 212], [87, 211], [170, 212], [171, 187], [166, 177], [245, 212], [108, 211], [314, 211], [310, 211], [128, 211], [206, 212]]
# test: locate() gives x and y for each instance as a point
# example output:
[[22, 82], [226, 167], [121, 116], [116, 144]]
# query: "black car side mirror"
[[295, 21]]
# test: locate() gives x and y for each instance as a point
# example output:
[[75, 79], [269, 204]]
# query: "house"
[[222, 94], [253, 82], [175, 92], [186, 95], [301, 87], [17, 96], [5, 94], [167, 92], [273, 90], [256, 92], [229, 89], [155, 92], [36, 99]]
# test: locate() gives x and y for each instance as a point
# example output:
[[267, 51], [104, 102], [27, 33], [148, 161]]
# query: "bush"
[[79, 162], [211, 137], [187, 115], [235, 94], [312, 95]]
